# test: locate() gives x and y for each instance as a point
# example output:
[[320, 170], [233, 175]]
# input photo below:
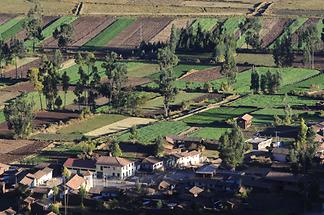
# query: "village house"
[[80, 166], [116, 167], [195, 191], [185, 159], [151, 164], [38, 178], [8, 211], [76, 182], [244, 121], [284, 180], [42, 192], [280, 154], [207, 171], [259, 143]]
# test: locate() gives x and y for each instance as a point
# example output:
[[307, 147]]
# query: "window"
[[101, 168]]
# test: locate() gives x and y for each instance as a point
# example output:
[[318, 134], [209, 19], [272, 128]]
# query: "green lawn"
[[216, 116], [91, 124], [11, 28], [210, 133], [147, 134], [110, 32], [305, 85], [272, 101], [293, 27], [48, 32], [207, 24]]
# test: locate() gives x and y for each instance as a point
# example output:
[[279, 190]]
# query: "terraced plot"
[[11, 27], [207, 24], [5, 17], [232, 24], [104, 38], [143, 29], [277, 29], [311, 84]]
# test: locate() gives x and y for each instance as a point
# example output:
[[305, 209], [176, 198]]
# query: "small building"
[[28, 180], [244, 121], [259, 143], [80, 166], [152, 163], [195, 191], [42, 192], [280, 154], [42, 176], [207, 171], [28, 202], [115, 167], [164, 185], [76, 182], [8, 211], [185, 159]]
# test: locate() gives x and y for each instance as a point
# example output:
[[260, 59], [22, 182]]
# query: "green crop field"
[[216, 115], [293, 27], [91, 124], [207, 24], [255, 59], [309, 84], [272, 101], [210, 133], [48, 32], [232, 24], [110, 32], [157, 103], [2, 117], [11, 28], [147, 134]]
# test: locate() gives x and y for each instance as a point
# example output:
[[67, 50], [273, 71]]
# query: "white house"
[[260, 144], [42, 176], [186, 159], [116, 167]]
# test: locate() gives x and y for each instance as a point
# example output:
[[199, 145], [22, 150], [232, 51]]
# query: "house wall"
[[118, 172], [44, 179], [187, 161], [263, 145]]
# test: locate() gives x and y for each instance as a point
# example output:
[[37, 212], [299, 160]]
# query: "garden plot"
[[85, 28], [103, 38], [314, 83], [5, 17], [22, 70], [11, 28], [119, 126], [276, 30], [143, 29], [164, 35], [14, 150]]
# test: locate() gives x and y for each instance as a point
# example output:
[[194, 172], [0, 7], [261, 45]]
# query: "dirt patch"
[[5, 17], [164, 35], [14, 150], [276, 30], [23, 70], [143, 29], [119, 126]]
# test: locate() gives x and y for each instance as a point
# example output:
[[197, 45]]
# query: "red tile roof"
[[113, 161]]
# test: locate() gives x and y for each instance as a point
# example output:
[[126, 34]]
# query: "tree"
[[55, 208], [17, 49], [252, 30], [65, 85], [174, 38], [232, 147], [219, 51], [58, 102], [229, 68], [283, 53], [82, 193], [55, 193], [109, 65], [263, 83], [167, 89], [255, 81], [58, 59], [37, 80], [134, 134], [166, 58], [116, 151], [19, 115], [33, 24], [63, 34], [159, 147]]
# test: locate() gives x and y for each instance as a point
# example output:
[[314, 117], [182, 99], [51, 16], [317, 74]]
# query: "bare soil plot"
[[164, 35], [44, 118], [308, 23], [119, 126], [15, 150], [5, 17], [23, 70], [275, 32], [207, 74], [86, 27], [143, 29]]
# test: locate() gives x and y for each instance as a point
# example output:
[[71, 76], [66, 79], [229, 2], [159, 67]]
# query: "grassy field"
[[231, 25], [207, 24], [309, 84], [216, 116], [255, 59], [293, 27], [210, 133], [147, 134], [48, 32], [110, 32], [157, 103], [12, 27], [272, 101], [91, 124]]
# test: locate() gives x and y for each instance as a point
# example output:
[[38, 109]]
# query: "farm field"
[[104, 37], [90, 124], [207, 24], [309, 84], [12, 27], [134, 34], [255, 59], [276, 30], [210, 133], [147, 134], [231, 25], [272, 101]]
